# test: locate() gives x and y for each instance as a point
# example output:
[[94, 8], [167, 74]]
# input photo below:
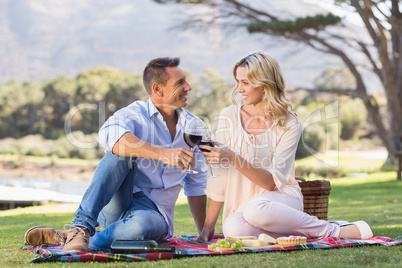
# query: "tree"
[[377, 47], [59, 99], [352, 112], [124, 91], [210, 95], [93, 86], [22, 109]]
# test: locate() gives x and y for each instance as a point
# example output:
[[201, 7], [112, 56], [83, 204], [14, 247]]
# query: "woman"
[[256, 174]]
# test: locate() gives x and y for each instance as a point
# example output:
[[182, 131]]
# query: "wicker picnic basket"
[[315, 196]]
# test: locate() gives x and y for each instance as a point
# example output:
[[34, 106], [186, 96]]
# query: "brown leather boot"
[[39, 235], [77, 239]]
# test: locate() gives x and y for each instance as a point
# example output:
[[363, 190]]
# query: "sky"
[[44, 39]]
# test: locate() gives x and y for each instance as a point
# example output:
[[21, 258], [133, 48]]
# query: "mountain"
[[47, 38]]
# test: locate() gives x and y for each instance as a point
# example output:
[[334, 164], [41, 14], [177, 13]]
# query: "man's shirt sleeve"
[[116, 126]]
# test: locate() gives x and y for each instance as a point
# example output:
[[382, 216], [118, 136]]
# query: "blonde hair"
[[264, 71]]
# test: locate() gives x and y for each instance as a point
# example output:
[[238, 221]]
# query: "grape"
[[212, 246], [221, 241]]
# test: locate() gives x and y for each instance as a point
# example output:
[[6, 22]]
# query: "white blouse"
[[273, 150]]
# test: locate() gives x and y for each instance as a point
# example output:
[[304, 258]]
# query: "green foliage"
[[36, 145], [9, 146], [311, 141], [61, 148], [321, 172], [21, 107], [349, 115], [85, 102], [335, 78], [84, 146], [93, 84], [100, 84], [321, 135], [42, 107], [210, 95], [390, 164], [353, 115], [316, 22], [334, 164], [59, 99], [124, 91]]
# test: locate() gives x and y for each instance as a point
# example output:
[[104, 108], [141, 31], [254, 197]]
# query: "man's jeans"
[[110, 202]]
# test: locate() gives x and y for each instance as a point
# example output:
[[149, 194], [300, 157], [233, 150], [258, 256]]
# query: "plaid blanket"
[[186, 246]]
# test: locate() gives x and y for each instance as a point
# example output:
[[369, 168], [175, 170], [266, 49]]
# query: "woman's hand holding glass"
[[207, 142], [219, 154], [215, 152]]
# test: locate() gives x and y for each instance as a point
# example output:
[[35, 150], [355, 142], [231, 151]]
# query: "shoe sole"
[[365, 229], [26, 233]]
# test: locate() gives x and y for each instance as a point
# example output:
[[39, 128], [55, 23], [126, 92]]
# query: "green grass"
[[348, 161], [376, 199]]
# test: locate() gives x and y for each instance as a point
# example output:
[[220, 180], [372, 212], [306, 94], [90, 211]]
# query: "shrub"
[[36, 151], [71, 147], [352, 115], [84, 153], [35, 145], [312, 140], [9, 146], [325, 172], [61, 148]]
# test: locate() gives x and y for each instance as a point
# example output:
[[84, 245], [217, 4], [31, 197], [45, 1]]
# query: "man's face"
[[176, 88]]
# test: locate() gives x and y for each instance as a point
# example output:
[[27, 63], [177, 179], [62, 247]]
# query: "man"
[[135, 186]]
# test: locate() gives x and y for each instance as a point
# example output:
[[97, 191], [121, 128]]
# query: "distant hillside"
[[47, 38]]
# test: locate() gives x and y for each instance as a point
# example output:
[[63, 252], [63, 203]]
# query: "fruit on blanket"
[[212, 246], [253, 241], [234, 242], [226, 244], [221, 243]]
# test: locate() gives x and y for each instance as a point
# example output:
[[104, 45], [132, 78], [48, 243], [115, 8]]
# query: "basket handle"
[[299, 178]]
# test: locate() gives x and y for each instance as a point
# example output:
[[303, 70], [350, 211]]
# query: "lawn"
[[376, 199]]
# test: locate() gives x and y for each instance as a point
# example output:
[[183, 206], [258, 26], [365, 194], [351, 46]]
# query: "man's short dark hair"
[[155, 71]]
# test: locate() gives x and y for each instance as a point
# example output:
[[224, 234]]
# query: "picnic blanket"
[[186, 247]]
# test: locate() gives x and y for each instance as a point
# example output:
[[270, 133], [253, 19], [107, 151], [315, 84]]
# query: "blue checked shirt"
[[160, 182]]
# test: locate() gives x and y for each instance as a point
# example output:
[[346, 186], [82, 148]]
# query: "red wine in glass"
[[207, 143], [192, 140]]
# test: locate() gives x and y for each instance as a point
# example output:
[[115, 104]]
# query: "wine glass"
[[193, 132], [208, 140]]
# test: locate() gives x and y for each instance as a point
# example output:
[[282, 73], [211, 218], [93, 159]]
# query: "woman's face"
[[251, 95]]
